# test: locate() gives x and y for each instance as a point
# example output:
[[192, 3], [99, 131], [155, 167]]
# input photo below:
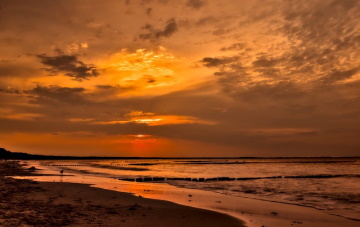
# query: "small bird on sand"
[[62, 171]]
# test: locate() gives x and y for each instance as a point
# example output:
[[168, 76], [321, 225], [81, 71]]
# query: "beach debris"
[[142, 164], [297, 222], [225, 179], [147, 179], [211, 179], [128, 179], [198, 179], [32, 168], [111, 210], [250, 191], [218, 201], [78, 200], [190, 195], [134, 207], [274, 213], [202, 179], [158, 179]]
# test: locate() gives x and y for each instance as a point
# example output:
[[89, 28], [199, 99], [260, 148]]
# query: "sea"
[[328, 184]]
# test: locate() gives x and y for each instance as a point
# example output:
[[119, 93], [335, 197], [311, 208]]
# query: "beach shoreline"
[[205, 205], [32, 203]]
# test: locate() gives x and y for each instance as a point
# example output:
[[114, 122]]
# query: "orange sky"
[[180, 78]]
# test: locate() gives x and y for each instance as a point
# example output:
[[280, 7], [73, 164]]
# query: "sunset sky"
[[180, 78]]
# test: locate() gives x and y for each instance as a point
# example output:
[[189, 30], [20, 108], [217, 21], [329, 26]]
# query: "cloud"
[[149, 11], [70, 66], [10, 90], [312, 53], [155, 34], [286, 74], [157, 120], [234, 46], [283, 131], [298, 85], [218, 61], [18, 68], [323, 36], [142, 60], [114, 88], [339, 75], [202, 21], [8, 113], [263, 62], [196, 4], [56, 94], [139, 113], [189, 115], [104, 93]]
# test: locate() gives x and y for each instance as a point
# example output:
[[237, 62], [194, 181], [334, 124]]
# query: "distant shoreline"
[[5, 154]]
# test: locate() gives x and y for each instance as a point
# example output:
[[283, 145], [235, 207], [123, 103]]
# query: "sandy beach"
[[45, 198], [30, 203]]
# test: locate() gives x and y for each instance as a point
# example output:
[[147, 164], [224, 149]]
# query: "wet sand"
[[31, 203]]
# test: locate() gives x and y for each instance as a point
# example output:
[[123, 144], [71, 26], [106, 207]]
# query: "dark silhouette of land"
[[8, 155]]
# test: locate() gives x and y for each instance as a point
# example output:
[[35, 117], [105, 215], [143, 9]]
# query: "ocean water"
[[329, 184]]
